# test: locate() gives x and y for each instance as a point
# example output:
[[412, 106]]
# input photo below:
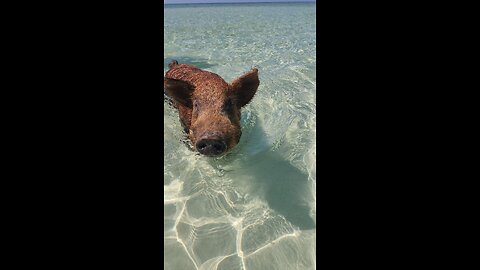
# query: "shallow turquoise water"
[[255, 207]]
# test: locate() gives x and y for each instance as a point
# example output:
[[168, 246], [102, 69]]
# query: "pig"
[[209, 107]]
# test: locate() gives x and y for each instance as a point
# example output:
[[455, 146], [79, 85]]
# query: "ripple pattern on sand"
[[255, 207]]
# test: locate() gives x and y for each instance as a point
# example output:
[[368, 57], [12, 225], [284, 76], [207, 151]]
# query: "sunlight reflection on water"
[[255, 207]]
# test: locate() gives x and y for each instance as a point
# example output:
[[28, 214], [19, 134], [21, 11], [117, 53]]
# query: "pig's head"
[[213, 107]]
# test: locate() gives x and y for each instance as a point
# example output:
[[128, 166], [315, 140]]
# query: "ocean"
[[253, 209]]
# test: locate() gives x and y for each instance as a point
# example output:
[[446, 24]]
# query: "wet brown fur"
[[202, 112]]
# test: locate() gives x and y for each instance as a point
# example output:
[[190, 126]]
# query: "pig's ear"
[[245, 87], [180, 91]]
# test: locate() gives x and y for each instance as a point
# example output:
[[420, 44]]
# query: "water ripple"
[[255, 207]]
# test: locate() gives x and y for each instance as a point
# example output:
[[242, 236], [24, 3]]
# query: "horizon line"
[[246, 2]]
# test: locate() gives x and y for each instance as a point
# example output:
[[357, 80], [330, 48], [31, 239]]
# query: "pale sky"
[[229, 1]]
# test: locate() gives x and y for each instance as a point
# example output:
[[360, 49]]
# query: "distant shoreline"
[[237, 3]]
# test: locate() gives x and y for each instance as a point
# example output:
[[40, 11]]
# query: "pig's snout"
[[211, 146]]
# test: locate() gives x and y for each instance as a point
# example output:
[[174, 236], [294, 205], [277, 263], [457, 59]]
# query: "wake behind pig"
[[209, 107]]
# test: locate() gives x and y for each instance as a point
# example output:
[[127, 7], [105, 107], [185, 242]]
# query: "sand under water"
[[255, 207]]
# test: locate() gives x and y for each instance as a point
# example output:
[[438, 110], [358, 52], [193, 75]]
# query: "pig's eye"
[[196, 105], [228, 106]]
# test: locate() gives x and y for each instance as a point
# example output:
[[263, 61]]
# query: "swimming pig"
[[209, 107]]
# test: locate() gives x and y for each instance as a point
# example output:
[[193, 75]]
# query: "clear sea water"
[[254, 208]]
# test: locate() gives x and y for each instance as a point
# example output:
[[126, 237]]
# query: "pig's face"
[[214, 109]]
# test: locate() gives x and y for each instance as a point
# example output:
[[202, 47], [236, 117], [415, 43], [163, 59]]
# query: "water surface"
[[254, 208]]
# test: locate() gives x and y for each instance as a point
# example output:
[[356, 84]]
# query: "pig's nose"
[[211, 147]]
